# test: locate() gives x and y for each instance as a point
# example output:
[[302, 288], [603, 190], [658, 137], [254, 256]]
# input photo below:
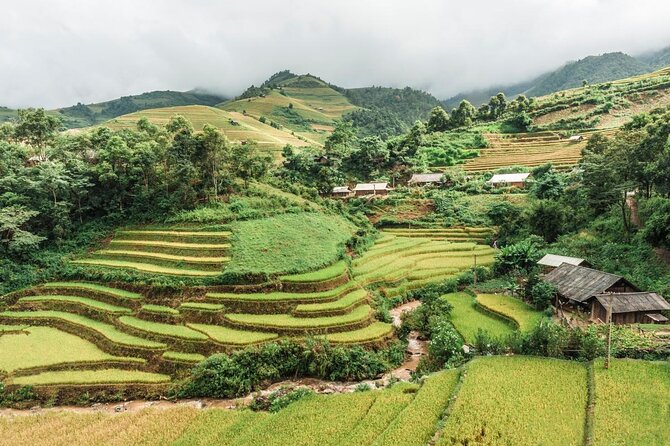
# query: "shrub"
[[279, 399]]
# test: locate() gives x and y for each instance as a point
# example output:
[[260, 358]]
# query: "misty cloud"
[[56, 53]]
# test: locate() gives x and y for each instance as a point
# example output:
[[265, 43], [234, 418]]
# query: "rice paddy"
[[515, 400], [522, 314], [490, 401], [468, 319]]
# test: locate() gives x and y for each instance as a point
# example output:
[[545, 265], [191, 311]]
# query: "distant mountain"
[[656, 59], [593, 69]]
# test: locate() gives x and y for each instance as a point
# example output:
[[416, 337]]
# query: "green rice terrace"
[[489, 401], [85, 332]]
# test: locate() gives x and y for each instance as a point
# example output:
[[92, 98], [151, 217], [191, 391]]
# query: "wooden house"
[[552, 261], [363, 189], [426, 179], [577, 285], [630, 308], [341, 191], [509, 180]]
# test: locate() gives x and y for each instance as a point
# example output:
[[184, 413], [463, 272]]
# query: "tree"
[[369, 158], [13, 238], [213, 152], [438, 121], [657, 224], [36, 128], [520, 258], [548, 219], [464, 115]]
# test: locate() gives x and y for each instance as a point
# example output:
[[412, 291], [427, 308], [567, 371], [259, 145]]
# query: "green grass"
[[520, 312], [289, 243], [184, 357], [468, 319], [372, 332], [174, 331], [122, 294], [201, 306], [162, 256], [519, 400], [416, 425], [12, 328], [632, 403], [283, 296], [108, 331], [146, 267], [85, 301], [230, 336], [269, 321], [335, 270], [161, 309], [106, 376], [46, 346], [176, 245]]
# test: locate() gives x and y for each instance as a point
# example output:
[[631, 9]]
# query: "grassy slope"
[[290, 243], [105, 376], [520, 312]]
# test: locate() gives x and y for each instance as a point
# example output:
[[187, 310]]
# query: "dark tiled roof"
[[580, 283], [632, 302]]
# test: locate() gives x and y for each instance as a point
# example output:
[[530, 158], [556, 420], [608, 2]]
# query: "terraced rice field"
[[198, 254], [399, 263], [468, 319], [453, 234], [490, 401], [631, 402], [530, 150], [522, 314], [514, 400]]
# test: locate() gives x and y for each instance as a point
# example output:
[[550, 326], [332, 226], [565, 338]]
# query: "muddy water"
[[416, 349]]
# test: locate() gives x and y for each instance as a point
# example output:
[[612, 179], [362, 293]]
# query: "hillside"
[[657, 59], [593, 69], [304, 105], [237, 127], [84, 115]]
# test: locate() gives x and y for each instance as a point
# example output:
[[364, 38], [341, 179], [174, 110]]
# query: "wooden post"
[[475, 274], [609, 333]]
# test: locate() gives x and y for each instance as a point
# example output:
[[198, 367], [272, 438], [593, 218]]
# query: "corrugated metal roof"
[[556, 260], [341, 189], [632, 302], [426, 178], [371, 186], [509, 178], [580, 283]]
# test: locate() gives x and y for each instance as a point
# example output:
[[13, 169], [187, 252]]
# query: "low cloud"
[[56, 53]]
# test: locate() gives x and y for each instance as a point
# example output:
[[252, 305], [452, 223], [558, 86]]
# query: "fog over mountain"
[[56, 53]]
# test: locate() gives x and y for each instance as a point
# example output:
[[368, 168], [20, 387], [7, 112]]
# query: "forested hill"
[[84, 115], [593, 69], [657, 59]]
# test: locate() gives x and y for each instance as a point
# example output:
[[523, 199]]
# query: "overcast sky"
[[59, 52]]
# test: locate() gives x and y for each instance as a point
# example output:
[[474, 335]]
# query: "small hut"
[[426, 179], [363, 189], [576, 138], [630, 308], [341, 191], [509, 180]]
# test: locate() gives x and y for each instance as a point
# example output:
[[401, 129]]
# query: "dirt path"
[[416, 348]]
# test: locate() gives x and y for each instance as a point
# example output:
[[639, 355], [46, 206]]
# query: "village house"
[[576, 138], [362, 189], [594, 291], [426, 179], [552, 261], [509, 180], [341, 191], [630, 308]]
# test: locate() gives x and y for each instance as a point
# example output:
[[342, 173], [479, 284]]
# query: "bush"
[[541, 294], [279, 399]]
